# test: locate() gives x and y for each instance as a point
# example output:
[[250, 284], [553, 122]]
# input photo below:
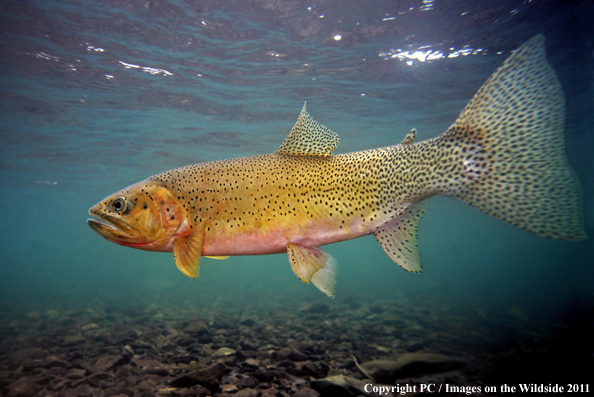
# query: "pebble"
[[50, 362], [319, 308], [224, 352], [304, 352], [207, 377], [197, 327], [251, 364], [109, 361], [410, 365], [24, 387], [306, 392], [74, 340], [229, 388], [340, 386], [415, 347], [90, 327], [248, 322], [247, 392], [296, 355]]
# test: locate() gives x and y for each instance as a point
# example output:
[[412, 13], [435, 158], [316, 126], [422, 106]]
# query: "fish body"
[[257, 205], [504, 155]]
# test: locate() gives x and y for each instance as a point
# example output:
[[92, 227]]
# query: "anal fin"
[[398, 238], [315, 265], [187, 251]]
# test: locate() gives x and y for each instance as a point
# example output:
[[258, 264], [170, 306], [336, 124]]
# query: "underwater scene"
[[381, 224]]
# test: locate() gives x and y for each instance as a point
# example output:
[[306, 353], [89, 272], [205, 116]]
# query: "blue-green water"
[[97, 95]]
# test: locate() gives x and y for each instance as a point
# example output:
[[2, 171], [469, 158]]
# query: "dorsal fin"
[[409, 138], [309, 138]]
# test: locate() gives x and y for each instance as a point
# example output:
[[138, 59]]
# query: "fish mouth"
[[112, 229]]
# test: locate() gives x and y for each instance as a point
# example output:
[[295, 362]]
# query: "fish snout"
[[97, 209]]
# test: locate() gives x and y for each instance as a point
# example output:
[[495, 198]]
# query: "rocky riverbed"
[[303, 351]]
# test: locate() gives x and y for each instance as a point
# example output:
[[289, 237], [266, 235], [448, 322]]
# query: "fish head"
[[145, 216]]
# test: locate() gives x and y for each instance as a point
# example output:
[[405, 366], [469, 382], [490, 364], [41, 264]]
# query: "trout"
[[505, 155]]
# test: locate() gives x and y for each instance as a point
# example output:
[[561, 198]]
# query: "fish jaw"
[[113, 229]]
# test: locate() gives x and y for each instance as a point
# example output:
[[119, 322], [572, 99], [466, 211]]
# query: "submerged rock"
[[74, 340], [412, 365], [109, 362], [208, 377], [342, 386], [297, 355], [224, 352], [248, 322], [415, 347], [197, 327], [24, 387], [27, 355], [306, 392], [50, 362], [229, 388], [247, 392], [89, 327], [318, 308], [307, 368]]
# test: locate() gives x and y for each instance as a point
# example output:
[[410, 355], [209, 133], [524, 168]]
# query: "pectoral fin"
[[217, 257], [398, 238], [313, 264], [187, 251]]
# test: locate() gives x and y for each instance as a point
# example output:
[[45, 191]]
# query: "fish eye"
[[119, 205]]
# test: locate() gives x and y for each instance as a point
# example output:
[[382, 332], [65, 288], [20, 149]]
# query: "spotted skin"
[[511, 139], [309, 138], [504, 155], [244, 208]]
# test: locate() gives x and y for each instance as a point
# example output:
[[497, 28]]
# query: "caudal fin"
[[507, 150]]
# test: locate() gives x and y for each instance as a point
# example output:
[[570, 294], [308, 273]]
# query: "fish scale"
[[504, 155], [351, 193]]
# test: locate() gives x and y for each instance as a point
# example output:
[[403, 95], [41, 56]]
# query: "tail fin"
[[507, 150]]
